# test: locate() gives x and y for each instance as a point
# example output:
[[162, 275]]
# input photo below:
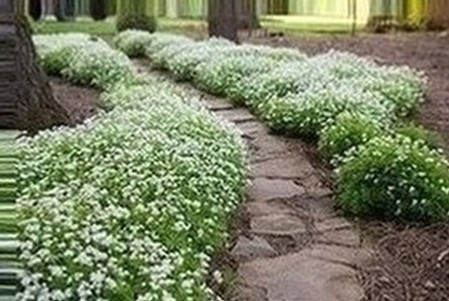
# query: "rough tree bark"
[[438, 14], [222, 19], [98, 10], [247, 14], [26, 98]]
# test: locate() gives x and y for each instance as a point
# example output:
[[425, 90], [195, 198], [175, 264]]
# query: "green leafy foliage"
[[418, 133], [395, 177], [351, 104], [349, 132], [222, 75], [138, 21], [132, 204], [84, 60], [133, 42]]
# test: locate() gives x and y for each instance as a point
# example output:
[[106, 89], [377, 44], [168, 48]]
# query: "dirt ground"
[[80, 102]]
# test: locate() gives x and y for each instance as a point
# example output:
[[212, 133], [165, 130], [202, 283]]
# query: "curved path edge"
[[296, 247]]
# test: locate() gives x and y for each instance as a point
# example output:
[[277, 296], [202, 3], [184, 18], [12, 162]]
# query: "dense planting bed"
[[355, 109], [132, 204]]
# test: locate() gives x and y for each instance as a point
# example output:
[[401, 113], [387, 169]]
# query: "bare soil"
[[80, 102]]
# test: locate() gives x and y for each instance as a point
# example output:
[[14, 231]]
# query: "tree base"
[[26, 98]]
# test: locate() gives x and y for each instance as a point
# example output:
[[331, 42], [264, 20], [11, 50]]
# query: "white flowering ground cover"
[[351, 105], [132, 204], [84, 60]]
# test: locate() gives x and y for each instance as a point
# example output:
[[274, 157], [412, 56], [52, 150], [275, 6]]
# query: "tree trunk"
[[222, 19], [438, 15], [26, 98], [247, 14], [98, 10], [35, 9], [171, 9], [112, 7], [60, 10]]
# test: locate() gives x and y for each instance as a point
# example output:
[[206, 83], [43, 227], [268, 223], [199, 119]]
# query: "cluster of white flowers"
[[131, 204], [84, 60], [181, 55], [395, 176], [222, 75], [343, 99]]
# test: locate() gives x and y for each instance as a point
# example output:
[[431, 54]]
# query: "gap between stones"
[[295, 246]]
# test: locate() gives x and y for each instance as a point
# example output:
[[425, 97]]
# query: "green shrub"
[[222, 74], [132, 204], [84, 60], [57, 51], [349, 132], [395, 177], [133, 42], [307, 113], [139, 21], [418, 133]]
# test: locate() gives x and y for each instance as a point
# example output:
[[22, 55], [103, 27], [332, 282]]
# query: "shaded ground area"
[[80, 102], [428, 52]]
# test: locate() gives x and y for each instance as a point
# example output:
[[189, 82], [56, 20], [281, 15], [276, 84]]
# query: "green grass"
[[306, 24], [289, 24], [103, 28], [106, 29]]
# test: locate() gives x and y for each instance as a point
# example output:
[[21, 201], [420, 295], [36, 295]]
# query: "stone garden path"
[[294, 247]]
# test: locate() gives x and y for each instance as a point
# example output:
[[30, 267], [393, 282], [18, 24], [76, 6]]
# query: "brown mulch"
[[408, 265], [80, 102]]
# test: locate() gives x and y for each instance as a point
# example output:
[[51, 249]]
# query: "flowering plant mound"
[[133, 42], [56, 51], [349, 132], [84, 60], [395, 177], [222, 75], [160, 41], [351, 104], [418, 133], [182, 64], [130, 205], [309, 112]]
